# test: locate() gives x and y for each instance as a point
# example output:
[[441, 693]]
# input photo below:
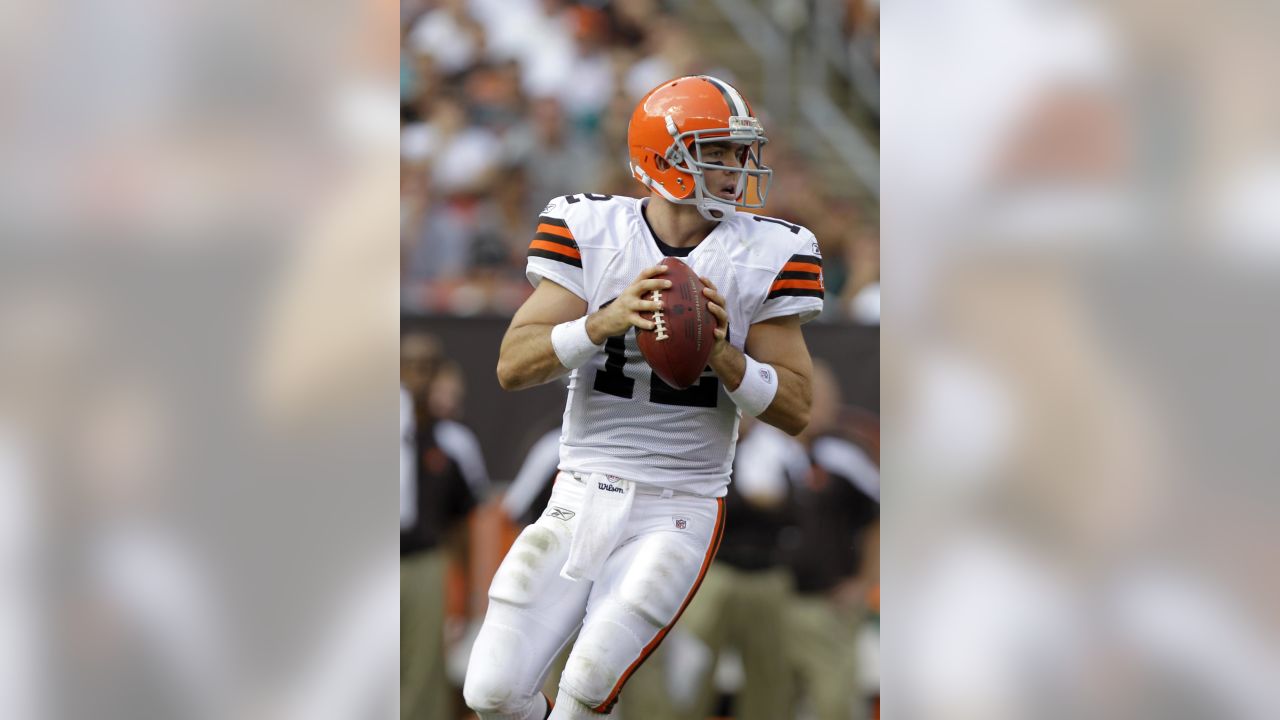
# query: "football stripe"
[[545, 220], [557, 239], [795, 292], [560, 257], [555, 230]]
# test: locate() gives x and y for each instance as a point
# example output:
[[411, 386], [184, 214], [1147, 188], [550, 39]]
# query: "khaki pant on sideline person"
[[824, 656], [747, 611], [425, 693]]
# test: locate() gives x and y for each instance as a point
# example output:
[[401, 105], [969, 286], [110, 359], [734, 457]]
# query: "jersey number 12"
[[612, 381]]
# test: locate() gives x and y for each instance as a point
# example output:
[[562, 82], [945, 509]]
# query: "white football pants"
[[644, 584]]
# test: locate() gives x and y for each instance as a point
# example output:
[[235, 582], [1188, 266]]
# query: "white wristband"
[[759, 385], [572, 343]]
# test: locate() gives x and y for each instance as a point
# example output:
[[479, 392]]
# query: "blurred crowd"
[[785, 624], [506, 104]]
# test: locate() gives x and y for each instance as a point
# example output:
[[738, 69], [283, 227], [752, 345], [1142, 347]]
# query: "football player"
[[637, 508]]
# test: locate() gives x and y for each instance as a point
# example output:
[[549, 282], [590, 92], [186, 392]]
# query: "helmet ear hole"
[[662, 163]]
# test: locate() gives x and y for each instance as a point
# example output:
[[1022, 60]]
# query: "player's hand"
[[618, 316], [716, 305]]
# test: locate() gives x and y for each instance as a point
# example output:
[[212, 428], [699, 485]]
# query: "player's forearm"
[[789, 410], [527, 358]]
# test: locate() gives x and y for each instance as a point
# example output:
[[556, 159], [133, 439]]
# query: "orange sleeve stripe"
[[796, 285], [801, 267], [555, 248], [555, 230]]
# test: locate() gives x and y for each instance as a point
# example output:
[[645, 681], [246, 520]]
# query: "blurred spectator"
[[744, 598], [672, 52], [530, 492], [435, 497], [445, 402], [555, 160], [860, 294], [836, 505], [590, 85], [448, 35], [522, 101]]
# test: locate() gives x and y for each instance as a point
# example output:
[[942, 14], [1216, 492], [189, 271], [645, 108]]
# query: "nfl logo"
[[681, 523]]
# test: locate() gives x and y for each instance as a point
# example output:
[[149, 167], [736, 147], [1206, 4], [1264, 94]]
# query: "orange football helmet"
[[669, 128]]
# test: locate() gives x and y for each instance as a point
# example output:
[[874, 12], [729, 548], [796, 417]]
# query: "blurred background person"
[[435, 499], [745, 598], [446, 392], [837, 509]]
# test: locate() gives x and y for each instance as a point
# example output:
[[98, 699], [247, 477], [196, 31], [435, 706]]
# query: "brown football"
[[678, 348]]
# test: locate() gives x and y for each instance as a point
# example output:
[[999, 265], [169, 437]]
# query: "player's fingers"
[[651, 271], [713, 296], [641, 323], [719, 312], [647, 306], [708, 283], [645, 287]]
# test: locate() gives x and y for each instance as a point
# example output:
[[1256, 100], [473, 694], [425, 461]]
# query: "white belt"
[[641, 488]]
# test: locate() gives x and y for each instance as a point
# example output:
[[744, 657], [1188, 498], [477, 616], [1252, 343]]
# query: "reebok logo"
[[561, 514], [610, 488]]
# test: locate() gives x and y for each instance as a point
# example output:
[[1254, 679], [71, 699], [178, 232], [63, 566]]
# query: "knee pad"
[[490, 693], [533, 561], [622, 626], [660, 577]]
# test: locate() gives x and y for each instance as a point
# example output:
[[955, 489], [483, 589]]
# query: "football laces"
[[659, 322]]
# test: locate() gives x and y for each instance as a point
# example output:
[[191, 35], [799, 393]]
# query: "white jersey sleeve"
[[797, 287], [553, 252]]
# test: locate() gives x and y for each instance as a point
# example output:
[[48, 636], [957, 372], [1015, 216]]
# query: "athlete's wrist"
[[729, 364], [572, 343], [597, 327], [757, 389]]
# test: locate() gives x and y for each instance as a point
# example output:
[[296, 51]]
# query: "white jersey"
[[621, 419]]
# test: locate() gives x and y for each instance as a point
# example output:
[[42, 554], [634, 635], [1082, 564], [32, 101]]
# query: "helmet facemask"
[[685, 156]]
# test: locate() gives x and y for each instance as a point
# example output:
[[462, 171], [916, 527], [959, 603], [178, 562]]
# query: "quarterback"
[[637, 508]]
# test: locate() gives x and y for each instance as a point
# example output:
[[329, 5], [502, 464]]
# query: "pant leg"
[[759, 632], [643, 588], [424, 688], [532, 614], [707, 619], [824, 653]]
